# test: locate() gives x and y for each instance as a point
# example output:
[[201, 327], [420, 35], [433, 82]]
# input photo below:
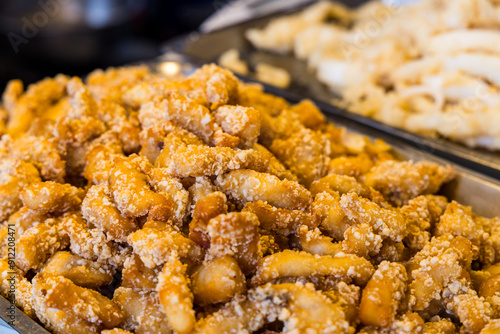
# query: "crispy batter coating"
[[381, 297], [98, 209], [277, 220], [217, 281], [175, 296], [296, 264], [204, 205], [52, 197], [157, 241], [82, 272], [246, 185], [236, 234], [402, 181]]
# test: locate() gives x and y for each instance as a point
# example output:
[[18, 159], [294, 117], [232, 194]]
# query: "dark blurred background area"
[[41, 38]]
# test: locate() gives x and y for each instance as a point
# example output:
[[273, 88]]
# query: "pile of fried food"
[[432, 66], [140, 204]]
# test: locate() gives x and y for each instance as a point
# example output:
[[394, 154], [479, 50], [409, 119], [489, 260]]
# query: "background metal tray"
[[469, 188], [208, 47]]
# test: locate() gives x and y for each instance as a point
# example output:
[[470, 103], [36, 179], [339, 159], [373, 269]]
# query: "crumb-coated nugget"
[[277, 220], [38, 243], [275, 166], [157, 241], [217, 281], [221, 86], [354, 166], [400, 181], [137, 276], [441, 326], [132, 192], [381, 297], [305, 153], [206, 208], [100, 160], [56, 293], [98, 209], [309, 115], [38, 97], [92, 243], [142, 312], [312, 241], [297, 264], [343, 184], [239, 121], [44, 153], [152, 139], [15, 175], [361, 240], [246, 185], [236, 234], [24, 219], [82, 272], [22, 293], [51, 197], [327, 210], [175, 296], [385, 222]]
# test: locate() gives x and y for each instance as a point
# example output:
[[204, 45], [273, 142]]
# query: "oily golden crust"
[[132, 192], [402, 181], [15, 175], [277, 220], [175, 296], [382, 295], [98, 209], [51, 197], [235, 234], [217, 281], [294, 264], [237, 244], [157, 241], [246, 185]]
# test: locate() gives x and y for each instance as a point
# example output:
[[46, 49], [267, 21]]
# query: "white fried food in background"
[[431, 67]]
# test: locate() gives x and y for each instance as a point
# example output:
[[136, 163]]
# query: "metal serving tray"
[[208, 47], [469, 188]]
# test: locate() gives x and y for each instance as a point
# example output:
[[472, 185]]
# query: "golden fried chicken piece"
[[15, 175], [253, 95], [51, 197], [22, 108], [301, 264], [236, 234], [44, 153], [54, 294], [175, 296], [132, 192], [206, 208], [242, 122], [156, 242], [312, 241], [308, 114], [152, 139], [277, 220], [385, 222], [246, 185], [137, 276], [382, 295], [400, 181], [99, 210], [217, 281], [361, 240], [305, 153], [275, 166], [100, 160], [327, 210], [82, 272], [93, 244], [142, 312], [354, 166], [38, 243]]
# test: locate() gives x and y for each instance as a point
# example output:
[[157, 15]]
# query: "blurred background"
[[45, 37]]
